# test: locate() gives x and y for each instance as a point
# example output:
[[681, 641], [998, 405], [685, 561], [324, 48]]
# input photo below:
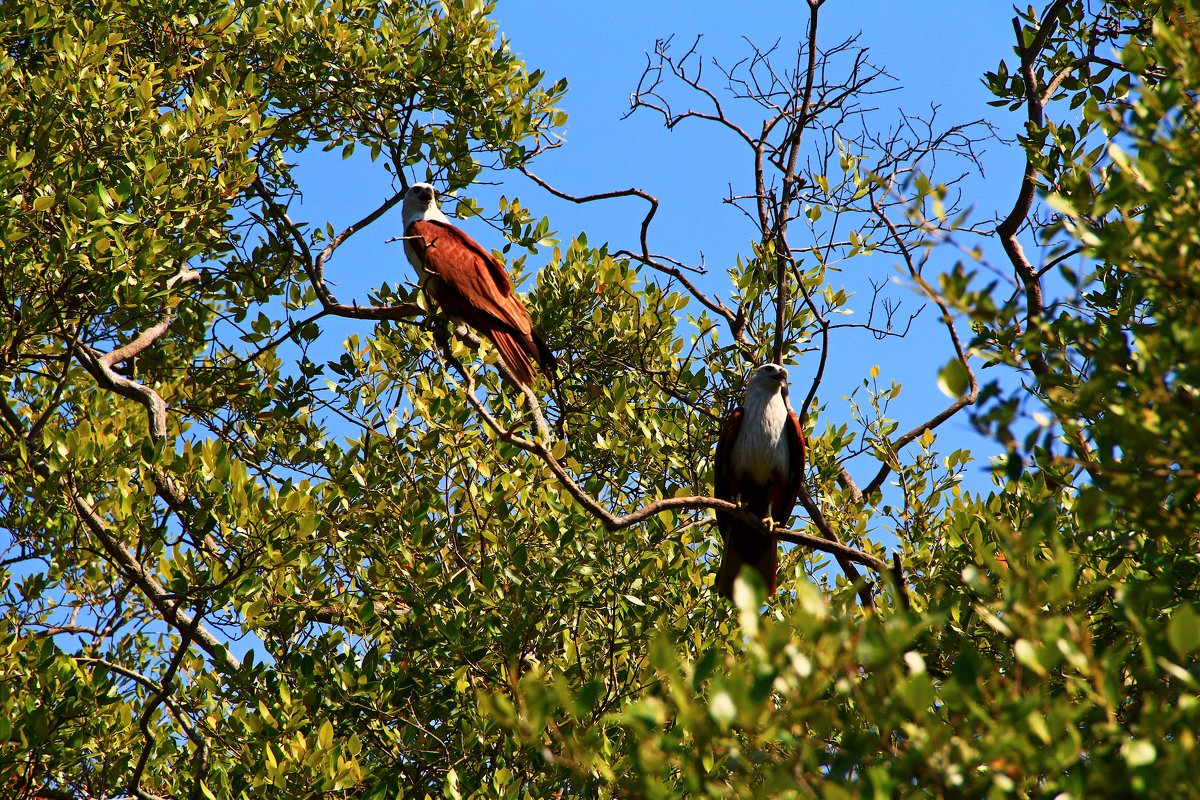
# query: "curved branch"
[[846, 555], [588, 198], [350, 230], [161, 694], [1010, 226], [828, 541], [139, 678], [315, 267], [674, 270], [100, 365]]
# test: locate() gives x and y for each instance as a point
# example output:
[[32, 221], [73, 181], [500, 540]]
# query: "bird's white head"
[[767, 381], [769, 376], [420, 203]]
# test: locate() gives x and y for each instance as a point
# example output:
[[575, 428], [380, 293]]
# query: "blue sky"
[[937, 52]]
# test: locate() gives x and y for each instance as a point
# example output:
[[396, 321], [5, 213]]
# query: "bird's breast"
[[761, 449]]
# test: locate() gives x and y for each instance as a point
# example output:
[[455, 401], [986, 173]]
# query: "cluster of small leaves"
[[1007, 681]]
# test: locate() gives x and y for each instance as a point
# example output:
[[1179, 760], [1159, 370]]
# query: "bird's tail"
[[747, 547], [520, 352], [731, 565]]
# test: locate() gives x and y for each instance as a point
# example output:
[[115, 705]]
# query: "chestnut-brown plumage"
[[759, 464], [471, 286]]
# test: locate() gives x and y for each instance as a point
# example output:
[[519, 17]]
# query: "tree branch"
[[154, 591], [315, 267], [865, 593], [101, 365], [847, 556], [1009, 228], [789, 189], [160, 695], [674, 270], [964, 400]]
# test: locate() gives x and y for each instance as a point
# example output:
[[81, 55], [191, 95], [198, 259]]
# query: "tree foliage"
[[244, 563]]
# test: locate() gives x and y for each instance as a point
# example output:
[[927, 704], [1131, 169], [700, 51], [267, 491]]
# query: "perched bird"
[[760, 463], [470, 285]]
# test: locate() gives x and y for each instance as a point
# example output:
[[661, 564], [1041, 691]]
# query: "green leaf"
[[722, 709], [1061, 204], [1027, 654], [325, 735], [1139, 753], [1183, 631], [749, 593], [450, 785], [953, 379]]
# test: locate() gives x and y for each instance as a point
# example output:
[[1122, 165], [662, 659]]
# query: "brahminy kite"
[[470, 285], [760, 464]]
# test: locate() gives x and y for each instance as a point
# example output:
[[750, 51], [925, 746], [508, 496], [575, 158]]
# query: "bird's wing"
[[469, 271], [744, 544], [724, 481], [795, 439]]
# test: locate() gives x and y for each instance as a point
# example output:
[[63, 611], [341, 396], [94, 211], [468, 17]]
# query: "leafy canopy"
[[243, 562]]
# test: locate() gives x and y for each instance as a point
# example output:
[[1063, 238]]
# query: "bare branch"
[[315, 267], [632, 192], [679, 68], [823, 324], [674, 269]]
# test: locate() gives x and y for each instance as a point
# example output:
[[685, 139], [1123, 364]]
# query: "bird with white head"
[[760, 464], [470, 285]]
